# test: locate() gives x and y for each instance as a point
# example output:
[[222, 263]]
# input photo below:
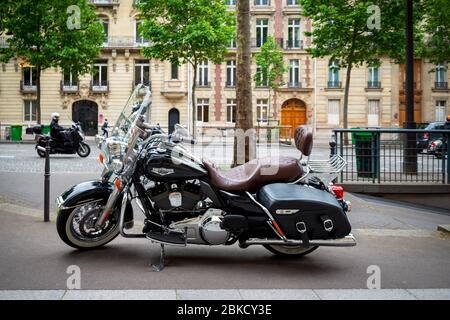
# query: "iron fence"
[[394, 155]]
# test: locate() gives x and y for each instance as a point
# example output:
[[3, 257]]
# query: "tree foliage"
[[271, 63], [436, 25]]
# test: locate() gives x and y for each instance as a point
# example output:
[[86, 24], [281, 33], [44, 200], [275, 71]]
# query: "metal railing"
[[69, 87], [441, 85], [373, 84], [294, 44], [99, 86], [335, 84], [27, 87], [393, 155]]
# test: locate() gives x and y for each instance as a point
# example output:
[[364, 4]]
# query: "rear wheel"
[[289, 251], [83, 150]]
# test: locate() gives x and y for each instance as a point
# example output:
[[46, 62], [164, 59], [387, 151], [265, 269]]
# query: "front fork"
[[118, 187]]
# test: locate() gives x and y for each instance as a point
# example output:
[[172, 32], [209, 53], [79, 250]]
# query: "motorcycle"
[[185, 200], [73, 144], [438, 148]]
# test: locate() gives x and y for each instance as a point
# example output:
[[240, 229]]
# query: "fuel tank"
[[171, 164]]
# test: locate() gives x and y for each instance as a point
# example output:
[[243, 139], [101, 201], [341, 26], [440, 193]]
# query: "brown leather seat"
[[255, 174]]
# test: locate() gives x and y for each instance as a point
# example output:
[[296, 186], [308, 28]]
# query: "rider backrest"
[[304, 140]]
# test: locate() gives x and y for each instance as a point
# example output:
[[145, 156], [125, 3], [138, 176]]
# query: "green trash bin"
[[45, 129], [16, 132], [367, 153]]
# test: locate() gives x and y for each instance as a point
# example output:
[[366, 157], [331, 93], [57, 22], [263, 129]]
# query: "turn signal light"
[[100, 158], [118, 184], [338, 191]]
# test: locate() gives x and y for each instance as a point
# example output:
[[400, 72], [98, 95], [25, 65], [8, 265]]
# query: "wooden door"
[[293, 114]]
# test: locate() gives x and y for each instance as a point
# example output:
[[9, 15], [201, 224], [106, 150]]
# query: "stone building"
[[313, 93]]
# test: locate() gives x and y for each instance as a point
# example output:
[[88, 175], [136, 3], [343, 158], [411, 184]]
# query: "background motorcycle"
[[73, 145], [438, 147], [185, 200]]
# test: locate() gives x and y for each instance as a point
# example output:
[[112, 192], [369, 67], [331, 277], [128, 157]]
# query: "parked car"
[[424, 140]]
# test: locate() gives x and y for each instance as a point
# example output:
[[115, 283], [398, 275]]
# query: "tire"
[[68, 234], [289, 251], [83, 150]]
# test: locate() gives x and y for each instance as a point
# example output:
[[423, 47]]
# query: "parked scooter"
[[74, 143], [438, 148], [291, 210]]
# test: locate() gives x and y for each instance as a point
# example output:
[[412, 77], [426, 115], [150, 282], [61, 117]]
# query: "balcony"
[[441, 86], [99, 86], [69, 87], [230, 85], [373, 85], [203, 84], [258, 42], [334, 85], [124, 42], [27, 87], [294, 85], [294, 44], [261, 3], [105, 3]]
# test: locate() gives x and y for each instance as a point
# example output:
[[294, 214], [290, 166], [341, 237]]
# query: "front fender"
[[84, 192]]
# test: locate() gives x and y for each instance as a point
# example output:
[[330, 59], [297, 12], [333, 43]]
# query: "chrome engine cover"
[[204, 229]]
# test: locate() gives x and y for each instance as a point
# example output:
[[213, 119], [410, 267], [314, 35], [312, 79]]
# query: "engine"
[[204, 229], [175, 196]]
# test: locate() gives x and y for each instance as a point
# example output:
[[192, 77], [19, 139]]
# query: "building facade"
[[313, 93]]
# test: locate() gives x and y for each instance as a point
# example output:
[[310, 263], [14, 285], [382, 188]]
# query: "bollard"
[[46, 181], [332, 144]]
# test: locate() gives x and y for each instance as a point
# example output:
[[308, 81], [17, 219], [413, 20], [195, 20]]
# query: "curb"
[[444, 228]]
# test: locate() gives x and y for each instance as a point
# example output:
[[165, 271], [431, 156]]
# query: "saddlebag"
[[305, 213]]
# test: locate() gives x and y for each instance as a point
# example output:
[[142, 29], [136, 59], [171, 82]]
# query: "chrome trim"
[[122, 218], [61, 206], [348, 241]]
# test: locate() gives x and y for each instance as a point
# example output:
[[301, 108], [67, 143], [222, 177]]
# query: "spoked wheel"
[[83, 150], [289, 251], [77, 227]]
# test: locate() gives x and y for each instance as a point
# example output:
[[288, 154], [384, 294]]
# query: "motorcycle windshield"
[[130, 113]]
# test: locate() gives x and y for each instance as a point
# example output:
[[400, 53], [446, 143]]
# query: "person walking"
[[105, 128]]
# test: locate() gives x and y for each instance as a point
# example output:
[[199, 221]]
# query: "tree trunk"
[[194, 111], [38, 94], [244, 141]]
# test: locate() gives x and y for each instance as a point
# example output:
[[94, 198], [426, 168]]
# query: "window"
[[231, 110], [293, 2], [294, 34], [373, 113], [203, 74], [174, 71], [262, 2], [333, 75], [69, 80], [203, 110], [262, 29], [29, 110], [105, 23], [261, 110], [142, 72], [333, 112], [262, 80], [231, 73], [29, 76], [441, 110], [139, 38], [233, 43], [374, 78], [441, 82], [294, 73], [231, 2], [100, 76]]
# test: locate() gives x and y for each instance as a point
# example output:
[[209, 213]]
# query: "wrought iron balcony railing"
[[294, 44], [334, 84], [374, 84], [124, 42], [27, 87], [294, 85], [105, 3], [69, 87], [441, 85], [99, 86], [203, 84]]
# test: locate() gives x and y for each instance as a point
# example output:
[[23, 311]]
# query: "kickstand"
[[162, 261]]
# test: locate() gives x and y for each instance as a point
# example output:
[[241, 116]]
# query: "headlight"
[[116, 166]]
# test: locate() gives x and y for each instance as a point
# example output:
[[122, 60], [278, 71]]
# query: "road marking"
[[224, 294], [7, 157]]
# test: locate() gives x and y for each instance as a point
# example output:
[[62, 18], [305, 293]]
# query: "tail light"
[[338, 191], [426, 135]]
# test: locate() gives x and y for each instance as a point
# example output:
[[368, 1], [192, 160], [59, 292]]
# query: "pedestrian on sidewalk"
[[105, 128]]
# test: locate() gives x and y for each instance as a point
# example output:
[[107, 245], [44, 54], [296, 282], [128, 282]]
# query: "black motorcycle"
[[71, 144], [288, 205]]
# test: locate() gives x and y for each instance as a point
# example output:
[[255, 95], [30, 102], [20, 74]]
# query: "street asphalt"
[[402, 240]]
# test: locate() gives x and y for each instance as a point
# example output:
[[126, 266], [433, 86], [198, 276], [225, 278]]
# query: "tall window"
[[293, 2], [333, 75], [203, 110], [69, 80], [231, 73], [174, 71], [294, 33], [142, 72], [441, 77], [100, 76], [105, 23], [262, 78], [261, 110], [373, 113], [333, 112], [29, 76], [262, 29], [262, 2], [374, 77], [294, 73], [231, 110], [29, 110], [441, 110], [203, 74], [231, 2], [233, 43], [139, 38]]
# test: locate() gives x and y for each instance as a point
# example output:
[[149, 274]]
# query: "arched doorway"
[[174, 118], [86, 112], [293, 114]]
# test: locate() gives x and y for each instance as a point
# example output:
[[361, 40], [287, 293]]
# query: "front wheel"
[[77, 228], [289, 251], [83, 150]]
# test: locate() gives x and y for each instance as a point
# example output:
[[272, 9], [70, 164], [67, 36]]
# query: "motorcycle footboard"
[[305, 212]]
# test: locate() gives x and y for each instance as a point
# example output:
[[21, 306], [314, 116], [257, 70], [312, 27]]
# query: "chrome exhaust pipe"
[[348, 241]]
